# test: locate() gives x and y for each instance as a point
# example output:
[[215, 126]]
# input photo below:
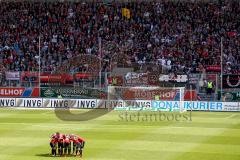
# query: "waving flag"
[[126, 13]]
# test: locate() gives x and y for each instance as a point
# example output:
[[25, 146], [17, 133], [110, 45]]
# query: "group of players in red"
[[66, 144]]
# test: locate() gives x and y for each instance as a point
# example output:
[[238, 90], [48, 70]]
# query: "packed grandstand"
[[175, 37], [182, 34]]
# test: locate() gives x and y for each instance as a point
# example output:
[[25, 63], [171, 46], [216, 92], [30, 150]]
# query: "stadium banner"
[[7, 102], [30, 77], [47, 77], [29, 102], [59, 103], [72, 92], [117, 105], [169, 105], [165, 105], [231, 81], [137, 104], [70, 103], [230, 96], [12, 76], [132, 78], [87, 103], [231, 106], [173, 78], [149, 94], [121, 105], [19, 92], [203, 106], [130, 105], [213, 68]]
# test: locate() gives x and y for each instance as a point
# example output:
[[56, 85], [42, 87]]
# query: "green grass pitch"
[[24, 135]]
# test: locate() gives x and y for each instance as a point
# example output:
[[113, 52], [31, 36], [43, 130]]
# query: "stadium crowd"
[[181, 35]]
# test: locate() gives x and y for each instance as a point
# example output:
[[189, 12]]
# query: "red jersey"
[[60, 137], [60, 140], [80, 139], [66, 140], [53, 141], [71, 138], [74, 139], [54, 135]]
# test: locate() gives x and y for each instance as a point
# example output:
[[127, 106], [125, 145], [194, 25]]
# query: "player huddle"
[[66, 144]]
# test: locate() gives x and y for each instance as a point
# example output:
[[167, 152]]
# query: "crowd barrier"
[[119, 104]]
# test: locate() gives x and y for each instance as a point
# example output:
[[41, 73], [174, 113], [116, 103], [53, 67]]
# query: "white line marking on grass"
[[230, 116]]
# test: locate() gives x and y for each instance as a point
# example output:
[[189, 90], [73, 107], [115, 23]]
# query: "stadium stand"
[[181, 35]]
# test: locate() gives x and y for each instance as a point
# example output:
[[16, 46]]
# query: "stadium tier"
[[179, 35]]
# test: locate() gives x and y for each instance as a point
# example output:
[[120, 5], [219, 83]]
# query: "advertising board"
[[29, 102], [72, 92], [136, 105], [19, 92], [7, 102]]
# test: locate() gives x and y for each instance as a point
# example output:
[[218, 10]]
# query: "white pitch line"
[[228, 117]]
